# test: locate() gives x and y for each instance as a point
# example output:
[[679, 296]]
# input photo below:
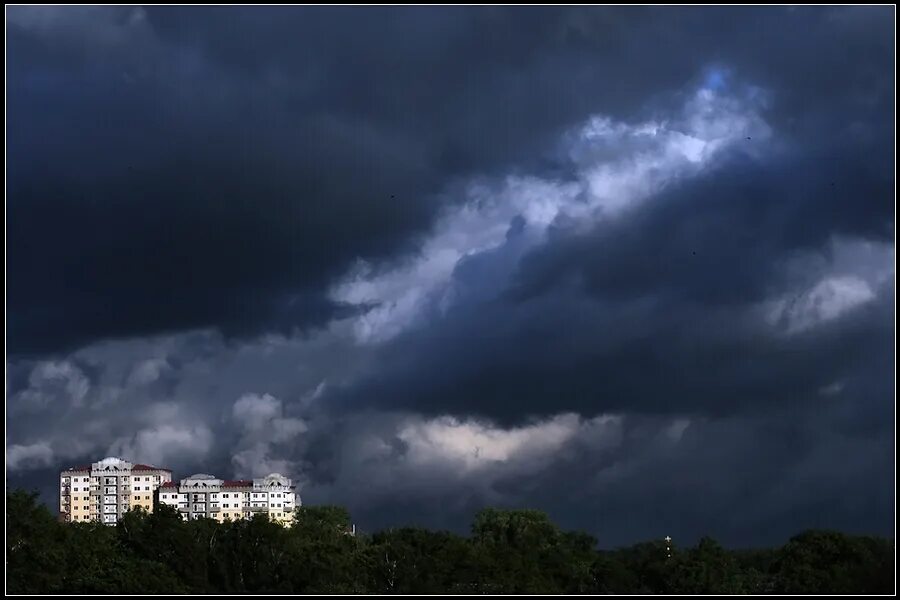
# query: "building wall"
[[74, 495], [205, 496], [107, 489], [143, 486], [233, 502]]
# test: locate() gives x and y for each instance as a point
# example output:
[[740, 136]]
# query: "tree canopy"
[[508, 551]]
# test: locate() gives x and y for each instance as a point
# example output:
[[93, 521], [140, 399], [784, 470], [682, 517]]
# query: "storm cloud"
[[632, 266]]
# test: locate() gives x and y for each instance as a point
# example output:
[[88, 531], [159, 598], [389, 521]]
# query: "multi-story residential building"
[[203, 495], [107, 489]]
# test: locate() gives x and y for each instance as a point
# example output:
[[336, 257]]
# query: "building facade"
[[106, 490], [203, 495]]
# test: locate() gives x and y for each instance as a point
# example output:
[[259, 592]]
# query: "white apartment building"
[[105, 490], [203, 495]]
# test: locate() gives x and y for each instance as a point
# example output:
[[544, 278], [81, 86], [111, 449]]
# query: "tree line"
[[508, 552]]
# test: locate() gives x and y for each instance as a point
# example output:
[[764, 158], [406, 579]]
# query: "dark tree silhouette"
[[509, 551]]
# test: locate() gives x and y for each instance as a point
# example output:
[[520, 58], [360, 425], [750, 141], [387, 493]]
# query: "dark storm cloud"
[[722, 239], [646, 311], [566, 352], [746, 482], [216, 167]]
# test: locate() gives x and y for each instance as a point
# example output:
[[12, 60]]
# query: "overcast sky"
[[630, 266]]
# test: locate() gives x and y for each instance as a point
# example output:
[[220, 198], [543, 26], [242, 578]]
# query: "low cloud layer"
[[635, 269]]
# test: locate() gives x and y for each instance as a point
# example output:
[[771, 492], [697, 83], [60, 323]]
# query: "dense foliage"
[[509, 551]]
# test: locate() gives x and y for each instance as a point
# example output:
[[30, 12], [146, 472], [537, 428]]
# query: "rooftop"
[[135, 468], [226, 483]]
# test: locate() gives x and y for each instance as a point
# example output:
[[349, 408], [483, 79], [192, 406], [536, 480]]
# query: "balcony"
[[257, 508]]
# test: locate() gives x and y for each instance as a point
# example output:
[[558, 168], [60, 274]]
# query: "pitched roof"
[[226, 483], [149, 468], [237, 483], [135, 468]]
